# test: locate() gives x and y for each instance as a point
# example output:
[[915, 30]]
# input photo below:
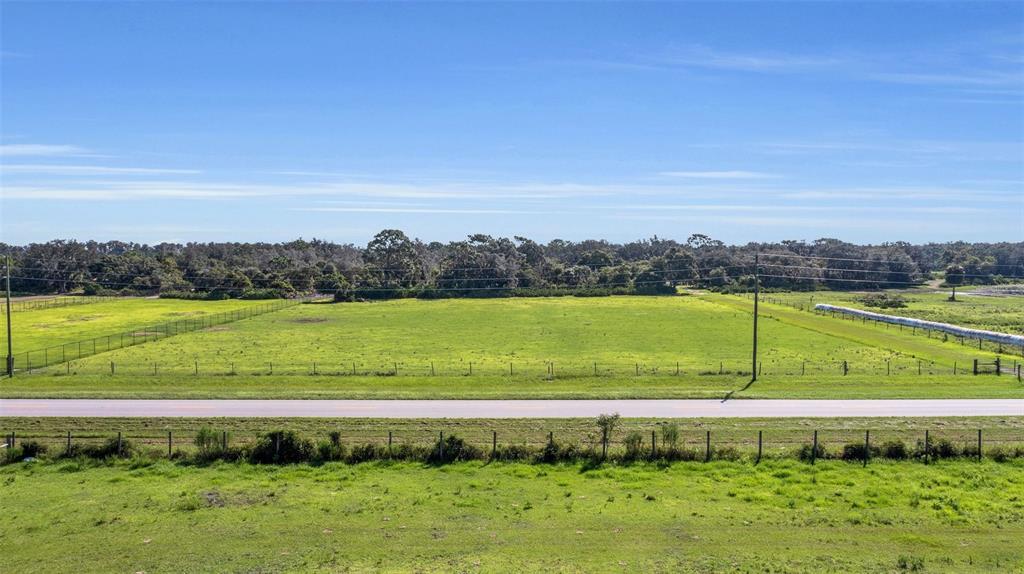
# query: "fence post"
[[654, 445], [803, 367], [197, 367], [979, 445], [471, 368], [118, 443], [224, 440], [69, 443], [759, 442], [170, 443], [440, 445], [677, 367], [867, 446], [494, 444], [389, 443], [927, 446], [814, 448], [707, 447], [975, 366], [431, 368], [846, 368]]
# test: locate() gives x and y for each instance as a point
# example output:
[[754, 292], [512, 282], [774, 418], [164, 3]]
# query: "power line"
[[1012, 266]]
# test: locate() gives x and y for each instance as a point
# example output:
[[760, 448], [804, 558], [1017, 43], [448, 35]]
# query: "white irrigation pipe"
[[1004, 338]]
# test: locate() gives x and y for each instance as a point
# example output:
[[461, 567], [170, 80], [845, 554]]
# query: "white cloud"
[[53, 169], [419, 210], [720, 174], [10, 150]]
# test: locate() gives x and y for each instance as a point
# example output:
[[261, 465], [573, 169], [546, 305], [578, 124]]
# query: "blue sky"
[[271, 121]]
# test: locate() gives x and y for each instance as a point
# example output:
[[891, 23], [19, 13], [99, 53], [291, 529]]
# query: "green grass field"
[[1004, 314], [780, 516], [615, 347], [36, 329]]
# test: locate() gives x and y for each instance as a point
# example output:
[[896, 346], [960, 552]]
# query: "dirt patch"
[[213, 499], [308, 320]]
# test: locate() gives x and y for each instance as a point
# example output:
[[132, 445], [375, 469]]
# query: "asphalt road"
[[509, 408]]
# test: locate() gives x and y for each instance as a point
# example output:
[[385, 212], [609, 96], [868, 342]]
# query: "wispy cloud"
[[86, 170], [720, 174], [418, 210], [47, 150]]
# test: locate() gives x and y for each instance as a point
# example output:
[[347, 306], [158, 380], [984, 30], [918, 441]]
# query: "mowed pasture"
[[1003, 314], [573, 347], [779, 516], [45, 327]]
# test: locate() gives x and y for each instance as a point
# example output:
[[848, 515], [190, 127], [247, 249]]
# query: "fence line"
[[66, 352], [51, 303], [982, 344], [549, 370], [650, 442]]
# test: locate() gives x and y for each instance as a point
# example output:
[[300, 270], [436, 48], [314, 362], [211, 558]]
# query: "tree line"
[[394, 265]]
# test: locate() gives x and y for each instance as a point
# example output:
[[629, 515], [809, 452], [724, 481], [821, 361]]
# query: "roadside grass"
[[183, 386], [36, 329], [1005, 314], [780, 436], [782, 515]]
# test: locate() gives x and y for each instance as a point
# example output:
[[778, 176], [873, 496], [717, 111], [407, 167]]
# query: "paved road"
[[509, 408]]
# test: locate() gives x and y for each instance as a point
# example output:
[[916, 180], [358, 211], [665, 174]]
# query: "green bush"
[[855, 451], [634, 443], [452, 449], [895, 450], [807, 452], [281, 447]]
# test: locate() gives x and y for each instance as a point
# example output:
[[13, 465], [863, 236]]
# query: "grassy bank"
[[687, 517]]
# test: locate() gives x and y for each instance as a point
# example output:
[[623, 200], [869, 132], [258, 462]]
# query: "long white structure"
[[1004, 338]]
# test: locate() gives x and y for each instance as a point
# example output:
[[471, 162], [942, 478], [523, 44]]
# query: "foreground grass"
[[779, 516]]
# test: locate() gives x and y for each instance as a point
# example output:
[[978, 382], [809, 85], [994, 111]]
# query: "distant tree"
[[954, 277]]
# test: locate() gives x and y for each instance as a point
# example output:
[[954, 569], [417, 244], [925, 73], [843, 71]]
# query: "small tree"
[[606, 423], [954, 277], [670, 436]]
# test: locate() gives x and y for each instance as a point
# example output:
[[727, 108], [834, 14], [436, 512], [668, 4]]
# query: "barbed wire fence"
[[50, 303], [649, 441], [521, 369]]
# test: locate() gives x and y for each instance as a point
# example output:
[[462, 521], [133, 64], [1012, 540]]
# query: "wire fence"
[[50, 303], [521, 369], [973, 342], [63, 353], [651, 440]]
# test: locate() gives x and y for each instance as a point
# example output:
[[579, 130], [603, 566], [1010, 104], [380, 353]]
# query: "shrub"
[[634, 443], [327, 451], [452, 449], [855, 452], [513, 453], [910, 564], [365, 453], [807, 452], [550, 453], [670, 435], [884, 301], [32, 449], [894, 449], [281, 447]]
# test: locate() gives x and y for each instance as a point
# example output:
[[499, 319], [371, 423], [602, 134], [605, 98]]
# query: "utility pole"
[[757, 295], [10, 348]]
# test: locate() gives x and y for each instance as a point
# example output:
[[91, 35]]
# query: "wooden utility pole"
[[757, 295], [10, 347]]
